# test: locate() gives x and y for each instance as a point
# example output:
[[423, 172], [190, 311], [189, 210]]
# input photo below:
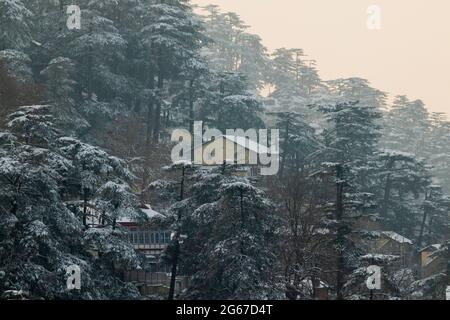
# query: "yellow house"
[[233, 150], [430, 263], [392, 243]]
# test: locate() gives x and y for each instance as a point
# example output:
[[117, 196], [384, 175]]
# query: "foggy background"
[[408, 56]]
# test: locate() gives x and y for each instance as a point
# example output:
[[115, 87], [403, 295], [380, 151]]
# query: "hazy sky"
[[409, 55]]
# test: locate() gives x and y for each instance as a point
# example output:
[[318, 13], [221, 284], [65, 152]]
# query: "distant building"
[[154, 278], [149, 242], [431, 263], [225, 149], [370, 232], [392, 243]]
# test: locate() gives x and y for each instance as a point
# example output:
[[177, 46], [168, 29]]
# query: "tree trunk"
[[340, 234], [283, 157], [448, 263], [241, 196], [191, 107], [150, 112], [422, 226], [387, 196], [176, 253], [387, 190], [157, 114], [173, 277]]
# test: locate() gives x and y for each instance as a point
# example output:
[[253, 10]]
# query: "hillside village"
[[385, 248]]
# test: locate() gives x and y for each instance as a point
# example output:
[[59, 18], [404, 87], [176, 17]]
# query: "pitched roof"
[[396, 237], [147, 210], [247, 143], [250, 144], [432, 247]]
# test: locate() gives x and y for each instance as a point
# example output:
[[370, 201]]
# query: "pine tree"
[[15, 25], [402, 181], [298, 140], [358, 90], [406, 127], [172, 34], [350, 144], [92, 168], [42, 236], [438, 142], [235, 234], [18, 65], [230, 105]]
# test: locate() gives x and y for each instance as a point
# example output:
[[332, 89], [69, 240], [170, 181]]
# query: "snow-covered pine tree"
[[171, 32], [401, 181], [298, 140], [233, 49], [438, 146], [358, 89], [230, 105], [350, 145], [234, 235], [15, 24], [406, 127], [42, 237]]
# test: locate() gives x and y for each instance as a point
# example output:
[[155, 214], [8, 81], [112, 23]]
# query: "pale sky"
[[409, 55]]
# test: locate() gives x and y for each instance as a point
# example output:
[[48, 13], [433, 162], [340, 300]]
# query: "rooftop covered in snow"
[[246, 143], [396, 237], [147, 210]]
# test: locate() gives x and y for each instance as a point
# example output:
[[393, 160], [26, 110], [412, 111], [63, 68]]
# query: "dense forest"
[[86, 116]]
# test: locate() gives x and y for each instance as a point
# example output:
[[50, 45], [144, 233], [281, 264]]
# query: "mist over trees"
[[85, 122]]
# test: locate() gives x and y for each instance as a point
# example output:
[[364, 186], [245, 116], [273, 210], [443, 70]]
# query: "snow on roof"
[[433, 247], [150, 213], [397, 153], [396, 237], [147, 210], [322, 231], [248, 144], [380, 257]]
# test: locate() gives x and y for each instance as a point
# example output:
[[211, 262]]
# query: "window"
[[141, 237], [254, 171], [152, 238], [146, 238], [157, 238]]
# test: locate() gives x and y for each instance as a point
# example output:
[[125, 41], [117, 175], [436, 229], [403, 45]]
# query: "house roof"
[[432, 247], [396, 237], [147, 210], [247, 144]]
